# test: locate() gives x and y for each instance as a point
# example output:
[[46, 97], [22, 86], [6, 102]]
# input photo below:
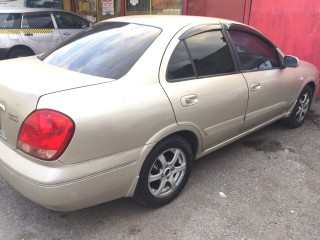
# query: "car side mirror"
[[290, 61]]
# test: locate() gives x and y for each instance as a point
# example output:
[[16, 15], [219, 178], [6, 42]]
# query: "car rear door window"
[[37, 21], [210, 54], [10, 20], [70, 21], [254, 53], [180, 66], [201, 55]]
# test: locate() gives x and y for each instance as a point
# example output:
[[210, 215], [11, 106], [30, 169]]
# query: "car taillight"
[[45, 134]]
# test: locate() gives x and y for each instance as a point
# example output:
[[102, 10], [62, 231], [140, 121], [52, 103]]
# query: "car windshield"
[[107, 49]]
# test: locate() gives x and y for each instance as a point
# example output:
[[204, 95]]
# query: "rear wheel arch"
[[301, 108], [192, 139], [19, 50], [312, 85], [164, 171], [190, 136]]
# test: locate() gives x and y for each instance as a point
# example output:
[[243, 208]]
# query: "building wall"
[[293, 25], [230, 9]]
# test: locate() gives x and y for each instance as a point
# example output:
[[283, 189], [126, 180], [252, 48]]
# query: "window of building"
[[44, 4], [167, 7]]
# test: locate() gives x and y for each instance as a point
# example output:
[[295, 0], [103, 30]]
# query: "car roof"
[[30, 10], [170, 21]]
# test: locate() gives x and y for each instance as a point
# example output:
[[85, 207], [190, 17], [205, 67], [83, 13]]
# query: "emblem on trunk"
[[14, 118]]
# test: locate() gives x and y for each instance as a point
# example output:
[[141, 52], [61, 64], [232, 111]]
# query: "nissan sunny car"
[[123, 108]]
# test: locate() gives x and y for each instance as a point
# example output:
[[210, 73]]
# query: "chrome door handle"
[[255, 86], [2, 107], [66, 33], [189, 100]]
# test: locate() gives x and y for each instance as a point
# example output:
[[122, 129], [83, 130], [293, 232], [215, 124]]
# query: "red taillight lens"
[[45, 134]]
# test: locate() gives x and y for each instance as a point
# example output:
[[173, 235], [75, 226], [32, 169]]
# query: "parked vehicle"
[[30, 31], [123, 108]]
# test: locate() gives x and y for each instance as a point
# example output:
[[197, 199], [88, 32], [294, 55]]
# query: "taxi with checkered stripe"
[[30, 31]]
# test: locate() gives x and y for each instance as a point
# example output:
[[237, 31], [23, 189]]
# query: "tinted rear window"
[[106, 49], [210, 54], [10, 20]]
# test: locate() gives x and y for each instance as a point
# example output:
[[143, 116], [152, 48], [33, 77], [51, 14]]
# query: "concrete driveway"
[[265, 186]]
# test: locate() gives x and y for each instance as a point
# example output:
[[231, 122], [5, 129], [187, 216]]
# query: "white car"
[[30, 31]]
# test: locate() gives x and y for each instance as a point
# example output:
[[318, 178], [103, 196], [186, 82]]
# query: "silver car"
[[30, 31], [123, 108]]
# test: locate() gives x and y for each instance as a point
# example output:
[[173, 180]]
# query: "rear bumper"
[[56, 190]]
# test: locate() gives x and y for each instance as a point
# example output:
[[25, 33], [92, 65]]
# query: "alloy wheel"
[[303, 107], [167, 172]]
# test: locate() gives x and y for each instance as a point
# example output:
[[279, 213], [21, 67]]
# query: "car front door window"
[[254, 52], [69, 21]]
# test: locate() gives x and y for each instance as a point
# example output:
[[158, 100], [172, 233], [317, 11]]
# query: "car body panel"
[[211, 94], [20, 95], [39, 40], [125, 115], [69, 187], [276, 94]]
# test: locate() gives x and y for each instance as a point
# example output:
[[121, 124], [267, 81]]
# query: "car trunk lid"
[[23, 81]]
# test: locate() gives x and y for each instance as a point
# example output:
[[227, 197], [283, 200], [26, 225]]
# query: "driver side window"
[[69, 21], [254, 53]]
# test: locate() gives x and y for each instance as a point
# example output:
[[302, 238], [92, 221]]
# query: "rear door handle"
[[189, 100], [2, 107], [66, 33], [255, 86], [28, 34]]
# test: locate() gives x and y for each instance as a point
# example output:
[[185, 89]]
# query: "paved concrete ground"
[[271, 180]]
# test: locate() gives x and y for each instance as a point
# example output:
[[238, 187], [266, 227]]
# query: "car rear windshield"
[[107, 49], [10, 20]]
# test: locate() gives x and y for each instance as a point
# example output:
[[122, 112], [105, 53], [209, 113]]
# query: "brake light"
[[45, 134]]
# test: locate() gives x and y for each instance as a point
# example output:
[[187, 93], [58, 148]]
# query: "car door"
[[69, 24], [271, 86], [206, 91], [38, 31], [10, 24]]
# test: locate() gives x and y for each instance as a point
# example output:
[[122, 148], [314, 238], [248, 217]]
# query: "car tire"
[[300, 110], [164, 172], [20, 52]]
